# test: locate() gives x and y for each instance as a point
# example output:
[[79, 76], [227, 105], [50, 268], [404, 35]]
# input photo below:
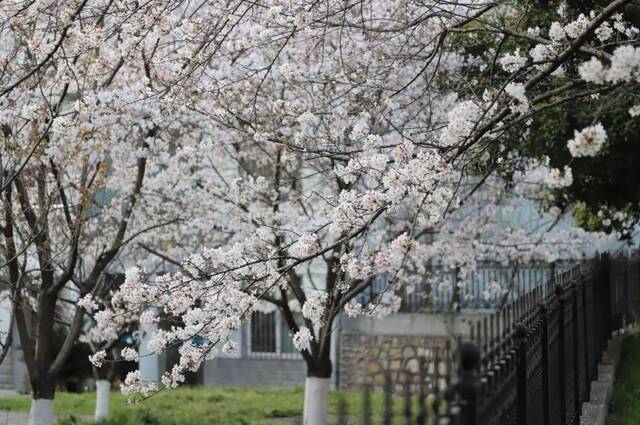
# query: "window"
[[286, 341], [270, 336], [263, 332]]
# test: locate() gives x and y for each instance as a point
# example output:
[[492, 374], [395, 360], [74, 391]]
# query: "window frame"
[[280, 327]]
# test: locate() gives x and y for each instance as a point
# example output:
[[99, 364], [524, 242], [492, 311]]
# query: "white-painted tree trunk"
[[103, 391], [41, 412], [148, 361], [316, 400]]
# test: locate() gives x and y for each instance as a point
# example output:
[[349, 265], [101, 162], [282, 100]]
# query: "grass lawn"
[[625, 401], [200, 406]]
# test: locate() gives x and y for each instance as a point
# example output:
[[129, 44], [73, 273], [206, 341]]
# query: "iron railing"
[[489, 286], [530, 363]]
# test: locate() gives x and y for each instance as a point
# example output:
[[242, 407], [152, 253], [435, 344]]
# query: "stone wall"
[[367, 358]]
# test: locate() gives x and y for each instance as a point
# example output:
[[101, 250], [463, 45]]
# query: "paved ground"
[[8, 393], [14, 418], [18, 418]]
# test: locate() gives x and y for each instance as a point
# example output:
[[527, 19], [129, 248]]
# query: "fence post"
[[456, 296], [422, 408], [387, 415], [624, 309], [585, 335], [366, 406], [521, 372], [597, 320], [544, 346], [342, 410], [408, 415], [561, 352], [606, 307], [576, 346], [469, 386]]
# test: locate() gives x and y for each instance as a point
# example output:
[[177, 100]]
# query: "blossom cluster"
[[587, 142]]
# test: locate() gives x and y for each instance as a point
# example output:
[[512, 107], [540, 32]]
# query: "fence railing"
[[530, 363], [489, 286]]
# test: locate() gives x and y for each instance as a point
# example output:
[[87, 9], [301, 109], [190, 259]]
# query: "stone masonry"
[[398, 356]]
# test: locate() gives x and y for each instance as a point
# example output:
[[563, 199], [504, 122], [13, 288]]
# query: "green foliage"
[[625, 401], [612, 178]]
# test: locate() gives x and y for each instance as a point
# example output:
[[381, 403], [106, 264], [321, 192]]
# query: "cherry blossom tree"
[[368, 140], [117, 347], [312, 147], [90, 163]]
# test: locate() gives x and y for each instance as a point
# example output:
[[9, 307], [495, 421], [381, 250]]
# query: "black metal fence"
[[490, 286], [530, 363]]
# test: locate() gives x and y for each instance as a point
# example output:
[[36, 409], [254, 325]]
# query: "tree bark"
[[43, 382]]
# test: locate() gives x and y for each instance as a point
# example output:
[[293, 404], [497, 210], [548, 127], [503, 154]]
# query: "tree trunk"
[[316, 389], [43, 383], [316, 400], [42, 403], [41, 411], [103, 391]]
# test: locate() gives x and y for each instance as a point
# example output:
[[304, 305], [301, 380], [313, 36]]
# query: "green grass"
[[201, 406], [625, 401]]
